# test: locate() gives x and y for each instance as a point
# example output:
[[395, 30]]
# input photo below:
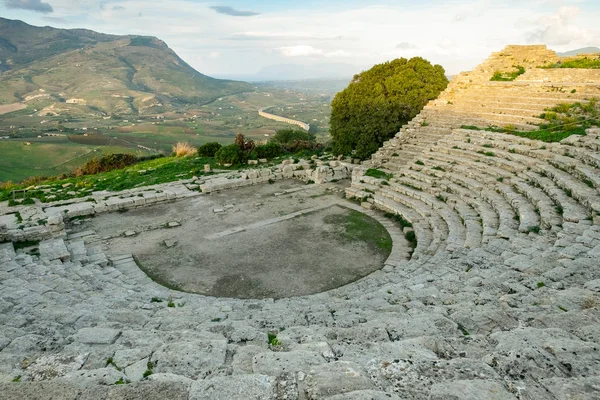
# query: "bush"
[[209, 149], [182, 149], [106, 163], [379, 101], [287, 137], [269, 150], [301, 145], [231, 154]]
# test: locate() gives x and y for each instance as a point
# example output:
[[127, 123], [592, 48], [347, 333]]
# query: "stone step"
[[54, 249]]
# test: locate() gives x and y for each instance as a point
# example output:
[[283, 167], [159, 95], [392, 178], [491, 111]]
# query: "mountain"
[[60, 71], [584, 50]]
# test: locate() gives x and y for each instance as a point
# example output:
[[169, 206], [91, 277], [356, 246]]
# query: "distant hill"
[[584, 50], [61, 71]]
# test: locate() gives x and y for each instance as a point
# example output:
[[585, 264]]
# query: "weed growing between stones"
[[464, 330], [148, 371], [533, 229], [273, 341], [110, 361], [375, 173]]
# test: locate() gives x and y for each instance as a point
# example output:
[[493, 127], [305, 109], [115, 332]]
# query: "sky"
[[235, 38]]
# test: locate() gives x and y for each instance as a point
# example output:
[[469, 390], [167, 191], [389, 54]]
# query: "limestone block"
[[265, 173], [56, 365], [365, 395], [320, 174], [288, 171], [470, 390], [237, 387], [55, 219], [336, 378], [189, 358], [252, 162], [273, 363], [135, 372], [54, 250], [101, 376], [262, 160], [146, 391], [96, 335]]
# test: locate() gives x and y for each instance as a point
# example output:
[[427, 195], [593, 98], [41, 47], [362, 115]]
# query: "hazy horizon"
[[271, 40]]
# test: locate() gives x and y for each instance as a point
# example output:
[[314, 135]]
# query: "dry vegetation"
[[182, 149]]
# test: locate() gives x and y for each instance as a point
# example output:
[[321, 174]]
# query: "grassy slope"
[[50, 157]]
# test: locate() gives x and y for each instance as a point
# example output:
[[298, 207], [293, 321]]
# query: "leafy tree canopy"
[[376, 104]]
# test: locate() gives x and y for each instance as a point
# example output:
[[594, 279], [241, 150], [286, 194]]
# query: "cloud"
[[558, 29], [300, 51], [118, 8], [31, 5], [243, 36], [233, 12], [405, 46]]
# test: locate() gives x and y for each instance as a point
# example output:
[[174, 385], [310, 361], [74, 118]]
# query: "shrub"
[[209, 149], [230, 154], [269, 150], [377, 102], [300, 145], [182, 149], [106, 163], [287, 137]]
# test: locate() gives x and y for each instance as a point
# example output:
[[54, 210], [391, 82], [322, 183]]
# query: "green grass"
[[160, 170], [508, 76], [584, 63], [399, 219], [272, 339], [49, 157], [375, 173], [362, 228]]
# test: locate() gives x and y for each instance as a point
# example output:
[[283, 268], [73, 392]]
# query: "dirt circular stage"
[[250, 243]]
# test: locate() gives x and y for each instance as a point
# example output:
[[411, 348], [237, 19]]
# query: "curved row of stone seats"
[[566, 172], [447, 225], [571, 209], [448, 118], [452, 320]]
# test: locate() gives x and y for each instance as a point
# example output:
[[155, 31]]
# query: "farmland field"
[[48, 157], [93, 134]]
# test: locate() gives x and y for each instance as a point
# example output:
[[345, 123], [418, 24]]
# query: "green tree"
[[377, 102], [288, 136]]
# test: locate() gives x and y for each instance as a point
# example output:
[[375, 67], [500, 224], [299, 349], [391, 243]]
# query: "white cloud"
[[457, 34], [300, 51], [558, 29]]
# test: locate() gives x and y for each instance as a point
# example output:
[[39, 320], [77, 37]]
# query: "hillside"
[[81, 72]]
